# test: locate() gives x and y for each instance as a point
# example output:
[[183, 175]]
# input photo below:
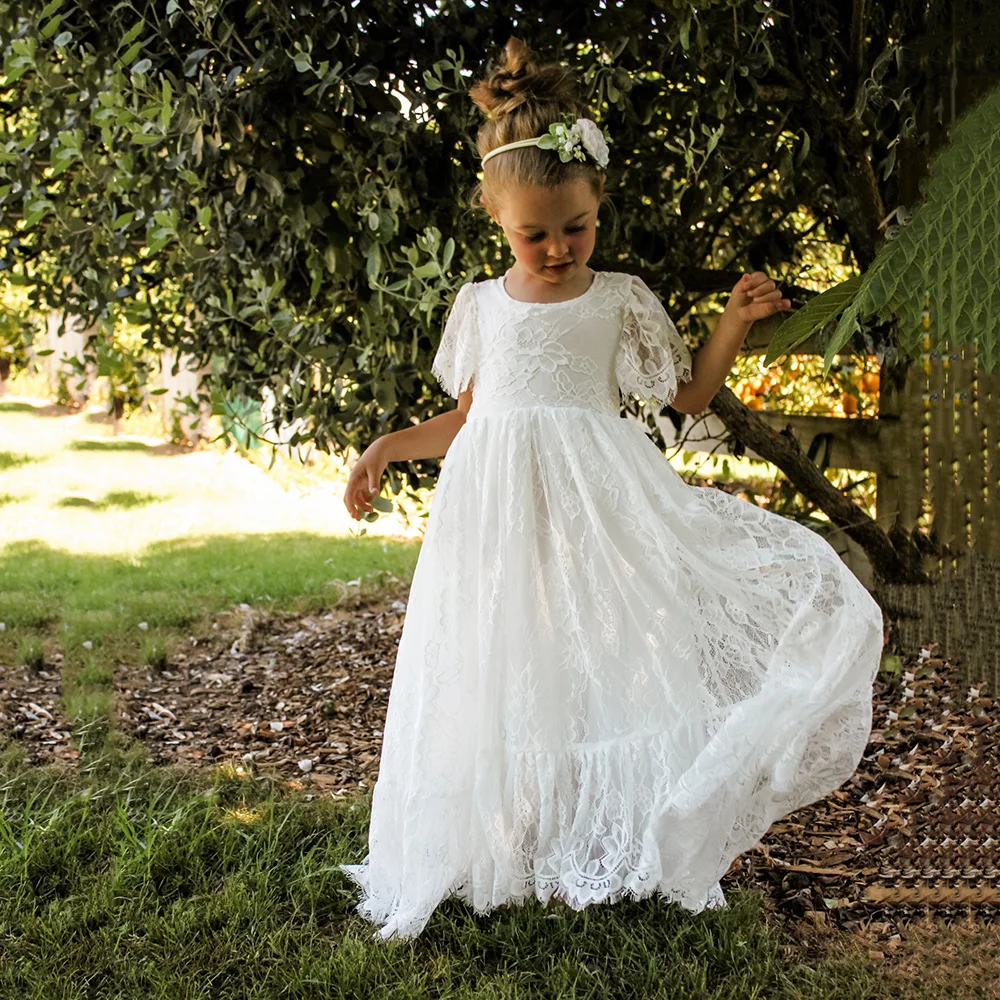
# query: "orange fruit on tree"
[[870, 381], [755, 403], [849, 403]]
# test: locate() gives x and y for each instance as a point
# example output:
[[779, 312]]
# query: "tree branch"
[[782, 449]]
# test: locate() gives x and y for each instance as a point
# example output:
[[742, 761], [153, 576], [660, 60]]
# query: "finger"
[[763, 288], [770, 308], [772, 296]]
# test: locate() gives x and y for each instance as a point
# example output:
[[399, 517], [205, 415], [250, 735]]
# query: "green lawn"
[[147, 884], [112, 547]]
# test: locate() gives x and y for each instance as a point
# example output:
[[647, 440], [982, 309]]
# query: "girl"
[[609, 682]]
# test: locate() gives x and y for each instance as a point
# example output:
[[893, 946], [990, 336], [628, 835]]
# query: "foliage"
[[18, 331], [958, 223], [283, 187]]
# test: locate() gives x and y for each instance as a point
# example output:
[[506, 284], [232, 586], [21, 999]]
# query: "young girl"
[[609, 682]]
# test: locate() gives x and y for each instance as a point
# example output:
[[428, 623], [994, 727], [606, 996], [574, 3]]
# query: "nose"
[[558, 248]]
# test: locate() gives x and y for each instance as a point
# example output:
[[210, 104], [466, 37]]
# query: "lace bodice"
[[580, 352]]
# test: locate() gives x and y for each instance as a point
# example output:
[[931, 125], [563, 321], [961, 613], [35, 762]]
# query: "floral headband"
[[572, 140]]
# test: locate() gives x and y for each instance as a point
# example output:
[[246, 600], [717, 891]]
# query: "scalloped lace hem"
[[397, 922]]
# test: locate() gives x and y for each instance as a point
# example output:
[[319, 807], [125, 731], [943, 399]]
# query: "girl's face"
[[551, 230]]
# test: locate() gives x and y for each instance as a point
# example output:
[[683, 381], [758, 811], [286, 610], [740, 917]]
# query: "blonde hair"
[[521, 98]]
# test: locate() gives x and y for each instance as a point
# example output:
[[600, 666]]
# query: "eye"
[[569, 229]]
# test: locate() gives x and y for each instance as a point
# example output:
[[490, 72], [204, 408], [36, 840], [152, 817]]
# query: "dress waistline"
[[499, 408]]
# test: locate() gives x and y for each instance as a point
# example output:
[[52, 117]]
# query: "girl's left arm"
[[755, 296]]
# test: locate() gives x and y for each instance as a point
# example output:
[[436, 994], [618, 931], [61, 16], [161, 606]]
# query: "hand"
[[365, 480], [755, 296]]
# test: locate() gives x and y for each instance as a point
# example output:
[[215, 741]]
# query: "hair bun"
[[519, 79]]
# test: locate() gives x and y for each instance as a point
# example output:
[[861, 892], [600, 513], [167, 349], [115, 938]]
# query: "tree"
[[254, 164]]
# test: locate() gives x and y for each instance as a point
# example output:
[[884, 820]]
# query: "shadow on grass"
[[41, 410], [176, 582], [124, 499], [83, 445], [12, 459], [86, 444]]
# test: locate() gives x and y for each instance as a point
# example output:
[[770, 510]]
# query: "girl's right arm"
[[428, 439]]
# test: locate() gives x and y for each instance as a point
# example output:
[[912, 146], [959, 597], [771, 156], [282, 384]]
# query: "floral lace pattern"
[[609, 683]]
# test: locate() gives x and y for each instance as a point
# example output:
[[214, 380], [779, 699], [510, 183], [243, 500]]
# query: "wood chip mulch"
[[914, 832]]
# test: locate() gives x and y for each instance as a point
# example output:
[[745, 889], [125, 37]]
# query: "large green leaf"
[[946, 260], [814, 315]]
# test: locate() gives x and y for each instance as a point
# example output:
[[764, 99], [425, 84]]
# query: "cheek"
[[532, 251]]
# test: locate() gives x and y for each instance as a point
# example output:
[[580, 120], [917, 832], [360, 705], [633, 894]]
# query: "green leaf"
[[51, 28], [133, 33], [273, 185], [841, 335], [816, 313], [131, 52], [374, 264]]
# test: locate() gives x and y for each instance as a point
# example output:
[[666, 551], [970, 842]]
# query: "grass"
[[126, 882], [126, 499], [12, 459]]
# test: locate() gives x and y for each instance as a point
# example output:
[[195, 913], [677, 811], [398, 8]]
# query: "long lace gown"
[[609, 683]]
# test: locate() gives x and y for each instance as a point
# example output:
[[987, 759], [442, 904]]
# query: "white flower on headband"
[[576, 141], [593, 141]]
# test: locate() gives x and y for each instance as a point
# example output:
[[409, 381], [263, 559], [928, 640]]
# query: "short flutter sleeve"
[[652, 358], [457, 355]]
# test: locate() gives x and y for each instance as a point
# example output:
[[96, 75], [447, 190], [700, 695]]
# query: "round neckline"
[[561, 302]]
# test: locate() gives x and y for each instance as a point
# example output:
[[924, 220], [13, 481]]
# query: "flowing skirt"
[[609, 683]]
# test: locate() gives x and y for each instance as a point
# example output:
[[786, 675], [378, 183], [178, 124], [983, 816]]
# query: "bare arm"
[[430, 438], [711, 365], [754, 296]]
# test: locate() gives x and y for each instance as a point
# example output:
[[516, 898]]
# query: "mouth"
[[560, 268]]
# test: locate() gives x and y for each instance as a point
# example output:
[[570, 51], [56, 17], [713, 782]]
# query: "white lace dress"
[[608, 682]]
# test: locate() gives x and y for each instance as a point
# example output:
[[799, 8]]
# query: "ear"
[[492, 209]]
